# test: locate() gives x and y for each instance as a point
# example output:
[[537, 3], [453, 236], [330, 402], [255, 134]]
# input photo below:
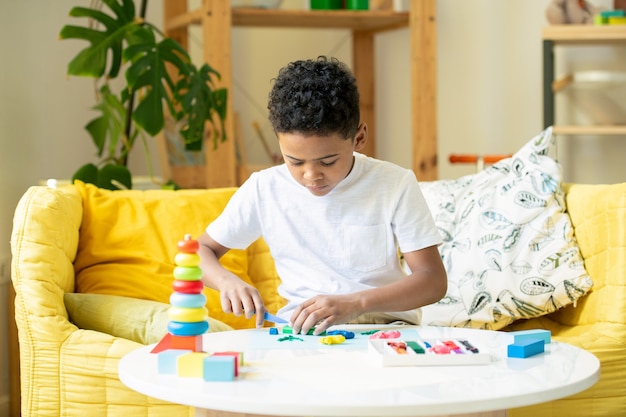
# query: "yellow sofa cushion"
[[597, 323], [128, 240]]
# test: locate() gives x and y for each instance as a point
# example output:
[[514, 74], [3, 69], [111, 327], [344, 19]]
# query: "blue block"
[[526, 348], [523, 335], [219, 368], [167, 360]]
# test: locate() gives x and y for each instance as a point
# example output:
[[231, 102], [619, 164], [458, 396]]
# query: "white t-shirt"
[[343, 242]]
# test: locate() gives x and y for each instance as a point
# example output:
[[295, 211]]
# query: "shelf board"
[[375, 21], [585, 34], [589, 130]]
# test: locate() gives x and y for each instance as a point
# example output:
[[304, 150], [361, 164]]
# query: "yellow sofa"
[[92, 274]]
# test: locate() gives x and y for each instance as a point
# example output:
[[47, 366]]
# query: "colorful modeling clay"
[[289, 338], [345, 333], [391, 334], [399, 347], [333, 340]]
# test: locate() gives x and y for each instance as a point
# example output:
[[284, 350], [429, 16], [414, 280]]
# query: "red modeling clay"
[[391, 334]]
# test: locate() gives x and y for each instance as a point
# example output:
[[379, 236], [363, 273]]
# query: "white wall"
[[489, 94]]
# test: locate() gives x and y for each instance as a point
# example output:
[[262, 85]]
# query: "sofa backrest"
[[124, 242], [598, 214]]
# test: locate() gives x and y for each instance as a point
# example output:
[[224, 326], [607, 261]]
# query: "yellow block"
[[617, 20], [191, 365]]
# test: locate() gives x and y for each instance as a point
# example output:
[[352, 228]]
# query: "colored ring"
[[187, 273], [178, 328], [178, 299], [188, 287], [187, 259], [187, 315]]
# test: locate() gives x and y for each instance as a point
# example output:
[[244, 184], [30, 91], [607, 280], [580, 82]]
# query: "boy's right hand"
[[241, 298]]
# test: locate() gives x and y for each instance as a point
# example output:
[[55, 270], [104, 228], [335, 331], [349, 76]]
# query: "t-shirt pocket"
[[366, 247]]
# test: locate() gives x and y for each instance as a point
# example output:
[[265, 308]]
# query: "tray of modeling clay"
[[426, 352]]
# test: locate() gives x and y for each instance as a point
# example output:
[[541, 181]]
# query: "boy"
[[332, 218]]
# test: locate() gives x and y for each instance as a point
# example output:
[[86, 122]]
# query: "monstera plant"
[[159, 80]]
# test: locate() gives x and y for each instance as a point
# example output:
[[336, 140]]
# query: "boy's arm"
[[426, 284], [236, 296]]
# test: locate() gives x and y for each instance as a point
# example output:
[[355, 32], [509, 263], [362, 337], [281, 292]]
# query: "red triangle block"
[[170, 341]]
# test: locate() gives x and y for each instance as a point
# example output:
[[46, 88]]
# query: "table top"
[[305, 376]]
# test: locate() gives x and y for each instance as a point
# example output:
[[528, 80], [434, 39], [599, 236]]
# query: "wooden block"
[[523, 335], [191, 365], [219, 368], [238, 359], [526, 348], [167, 360], [170, 341]]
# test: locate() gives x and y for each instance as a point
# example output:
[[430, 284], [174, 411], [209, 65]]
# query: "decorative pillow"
[[128, 238], [141, 321], [508, 248]]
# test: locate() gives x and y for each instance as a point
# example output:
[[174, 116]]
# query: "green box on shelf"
[[326, 4], [357, 4]]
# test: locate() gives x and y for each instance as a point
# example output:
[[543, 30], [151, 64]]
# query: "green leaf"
[[87, 173], [114, 177], [91, 61], [201, 104], [108, 129]]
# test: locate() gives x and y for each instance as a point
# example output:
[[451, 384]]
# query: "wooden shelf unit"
[[574, 35], [217, 18]]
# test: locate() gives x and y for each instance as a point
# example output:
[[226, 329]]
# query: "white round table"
[[295, 378]]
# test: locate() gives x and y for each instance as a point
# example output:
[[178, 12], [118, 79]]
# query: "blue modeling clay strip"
[[273, 318]]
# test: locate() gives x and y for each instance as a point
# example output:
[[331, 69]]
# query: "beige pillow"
[[138, 320]]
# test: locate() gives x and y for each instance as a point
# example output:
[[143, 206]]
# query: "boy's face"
[[319, 163]]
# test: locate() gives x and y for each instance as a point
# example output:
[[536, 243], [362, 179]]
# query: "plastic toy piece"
[[187, 315], [188, 245], [178, 328], [167, 360], [274, 319], [188, 287], [522, 335], [183, 300], [191, 364], [218, 368], [187, 259], [273, 331], [188, 273], [345, 333], [333, 340], [170, 341], [526, 348]]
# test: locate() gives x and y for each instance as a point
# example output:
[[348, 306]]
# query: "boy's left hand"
[[323, 311]]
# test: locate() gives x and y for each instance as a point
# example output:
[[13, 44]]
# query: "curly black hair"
[[315, 97]]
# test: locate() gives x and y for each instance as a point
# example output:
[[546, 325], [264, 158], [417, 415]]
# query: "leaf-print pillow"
[[509, 247]]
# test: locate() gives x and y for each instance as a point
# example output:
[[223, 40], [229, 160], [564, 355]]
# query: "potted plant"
[[159, 79]]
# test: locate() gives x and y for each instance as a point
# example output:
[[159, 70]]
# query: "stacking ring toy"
[[187, 300], [188, 287], [187, 259], [187, 273], [187, 329], [187, 315]]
